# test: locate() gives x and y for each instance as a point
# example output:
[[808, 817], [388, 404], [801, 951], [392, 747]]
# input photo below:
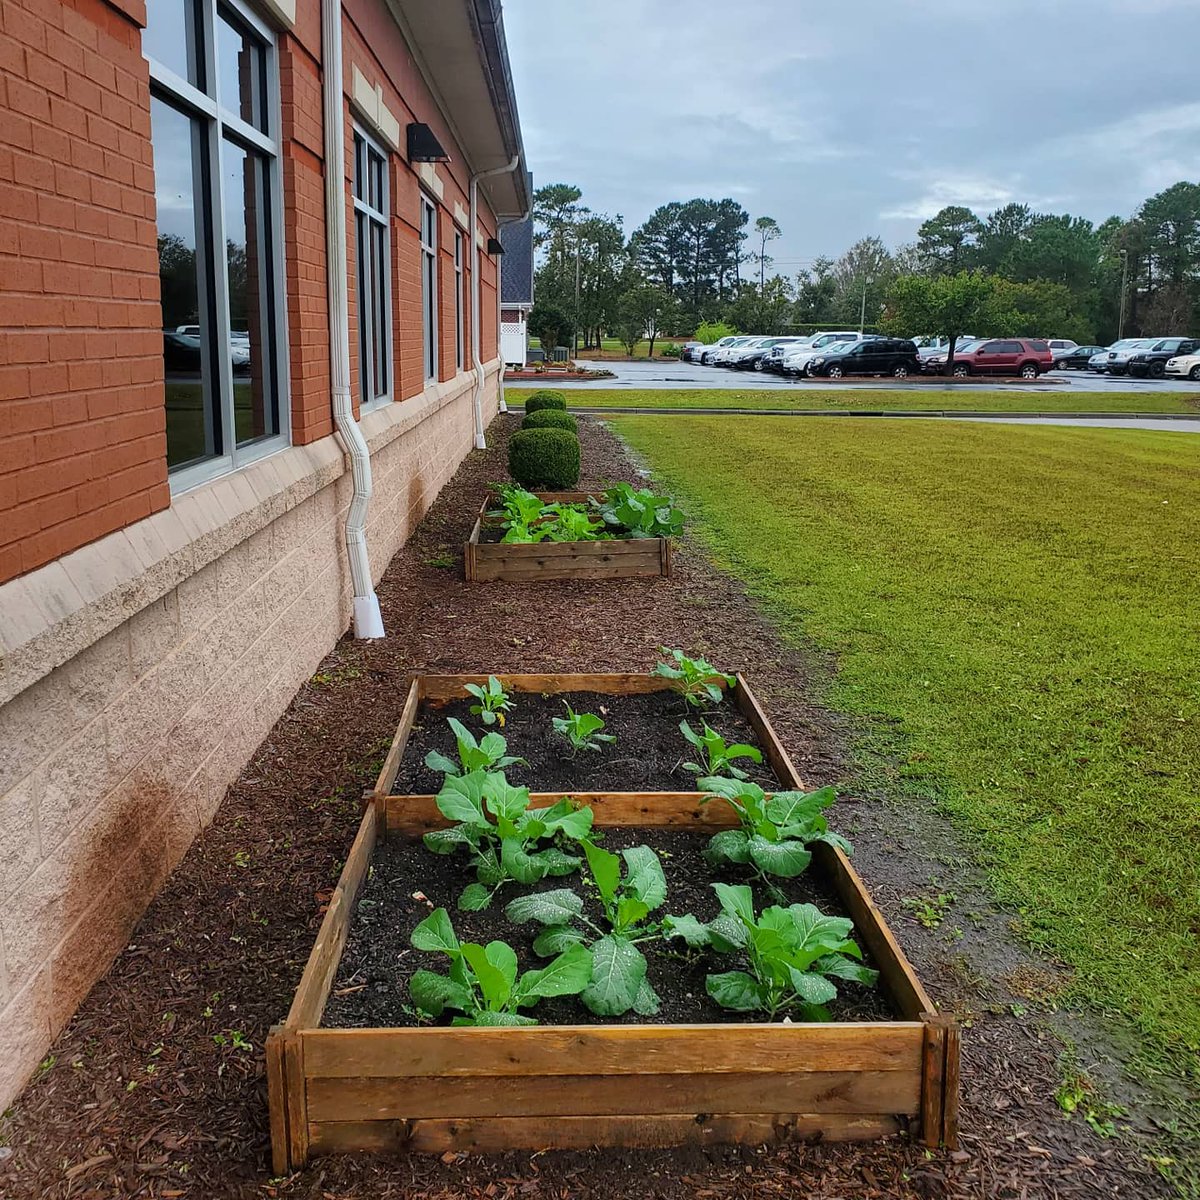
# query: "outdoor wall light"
[[423, 145], [494, 246]]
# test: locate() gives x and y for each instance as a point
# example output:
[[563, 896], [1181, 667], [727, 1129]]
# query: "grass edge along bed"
[[570, 1087]]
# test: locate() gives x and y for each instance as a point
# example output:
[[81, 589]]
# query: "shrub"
[[549, 418], [672, 350], [544, 459], [546, 398]]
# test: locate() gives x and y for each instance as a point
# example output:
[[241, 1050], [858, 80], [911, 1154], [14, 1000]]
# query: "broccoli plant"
[[482, 983], [642, 514], [618, 982], [582, 730], [775, 831], [793, 955], [503, 834], [716, 758], [486, 754], [494, 701], [696, 680]]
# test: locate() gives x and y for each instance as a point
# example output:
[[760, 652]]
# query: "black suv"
[[1153, 362], [869, 356]]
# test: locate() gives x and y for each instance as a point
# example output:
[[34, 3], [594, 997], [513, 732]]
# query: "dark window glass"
[[171, 37], [429, 290], [242, 72], [1036, 345], [374, 272]]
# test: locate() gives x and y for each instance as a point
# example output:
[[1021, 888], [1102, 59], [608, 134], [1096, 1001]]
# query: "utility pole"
[[1124, 289], [575, 338], [862, 314]]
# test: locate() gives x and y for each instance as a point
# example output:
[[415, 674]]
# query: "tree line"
[[1011, 271]]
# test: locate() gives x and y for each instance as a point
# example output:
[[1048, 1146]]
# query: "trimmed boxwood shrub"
[[544, 459], [549, 418], [546, 398]]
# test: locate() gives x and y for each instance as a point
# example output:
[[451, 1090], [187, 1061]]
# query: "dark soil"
[[222, 947], [648, 755], [371, 988]]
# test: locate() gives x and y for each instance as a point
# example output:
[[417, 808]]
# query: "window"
[[429, 288], [460, 325], [217, 184], [374, 275]]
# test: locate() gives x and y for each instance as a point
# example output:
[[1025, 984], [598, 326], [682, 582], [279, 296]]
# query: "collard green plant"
[[640, 513], [494, 701], [618, 981], [695, 679], [582, 730], [571, 523], [775, 832], [715, 757], [793, 955], [504, 835], [483, 983], [486, 754]]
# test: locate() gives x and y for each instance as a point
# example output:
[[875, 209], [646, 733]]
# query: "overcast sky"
[[847, 120]]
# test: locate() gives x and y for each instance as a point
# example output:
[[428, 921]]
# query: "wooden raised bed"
[[625, 558], [573, 1087]]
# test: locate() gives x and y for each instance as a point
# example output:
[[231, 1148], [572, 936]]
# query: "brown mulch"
[[150, 1092]]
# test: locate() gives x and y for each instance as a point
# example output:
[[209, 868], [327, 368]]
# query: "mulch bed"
[[407, 881], [147, 1093], [648, 755]]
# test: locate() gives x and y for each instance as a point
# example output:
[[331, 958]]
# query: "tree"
[[709, 332], [864, 271], [1172, 224], [767, 230], [658, 246], [815, 288], [1002, 232], [646, 309], [551, 326], [947, 241], [763, 311], [942, 304], [1036, 308]]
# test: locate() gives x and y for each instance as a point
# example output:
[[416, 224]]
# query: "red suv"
[[1026, 357]]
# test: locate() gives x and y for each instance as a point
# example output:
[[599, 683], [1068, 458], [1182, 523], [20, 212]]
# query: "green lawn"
[[1023, 605], [1045, 399]]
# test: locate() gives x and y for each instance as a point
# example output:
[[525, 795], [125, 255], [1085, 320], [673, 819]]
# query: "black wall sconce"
[[494, 246], [423, 145]]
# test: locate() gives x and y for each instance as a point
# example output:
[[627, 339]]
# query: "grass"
[[186, 419], [611, 348], [1047, 399], [1015, 614]]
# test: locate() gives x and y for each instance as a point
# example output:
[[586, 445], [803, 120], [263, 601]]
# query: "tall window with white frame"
[[374, 275], [215, 128], [460, 325], [429, 287]]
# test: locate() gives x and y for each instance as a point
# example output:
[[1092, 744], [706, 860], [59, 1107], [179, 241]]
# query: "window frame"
[[460, 302], [431, 300], [217, 125], [382, 219]]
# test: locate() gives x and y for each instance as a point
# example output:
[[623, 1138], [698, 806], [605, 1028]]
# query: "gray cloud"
[[845, 122]]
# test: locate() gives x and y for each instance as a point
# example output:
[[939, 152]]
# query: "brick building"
[[234, 372]]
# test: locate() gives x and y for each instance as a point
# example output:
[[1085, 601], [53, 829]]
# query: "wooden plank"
[[297, 1100], [951, 1085], [933, 1083], [488, 572], [899, 980], [391, 763], [775, 754], [277, 1101], [412, 816], [495, 1135], [371, 1099], [309, 1001], [440, 688], [614, 548], [613, 1050]]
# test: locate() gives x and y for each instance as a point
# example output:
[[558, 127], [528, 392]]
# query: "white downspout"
[[368, 621], [477, 293]]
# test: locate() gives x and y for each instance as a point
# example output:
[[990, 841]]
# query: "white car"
[[1061, 345], [721, 356], [796, 362], [747, 350], [1184, 366], [705, 354], [1115, 360]]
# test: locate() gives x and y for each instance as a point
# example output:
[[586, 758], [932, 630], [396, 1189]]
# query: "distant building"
[[516, 290]]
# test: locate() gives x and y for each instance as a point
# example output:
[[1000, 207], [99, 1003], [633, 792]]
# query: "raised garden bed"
[[614, 558], [478, 1089]]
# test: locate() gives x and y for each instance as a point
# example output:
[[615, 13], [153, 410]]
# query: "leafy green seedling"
[[618, 981], [716, 758], [693, 678], [494, 701], [571, 523], [482, 983], [793, 955], [640, 513], [503, 834], [486, 754], [582, 730]]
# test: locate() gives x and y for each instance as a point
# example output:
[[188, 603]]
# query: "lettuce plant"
[[793, 955], [618, 981], [693, 678], [582, 730], [483, 984], [494, 701], [486, 754], [503, 834], [641, 514], [715, 757]]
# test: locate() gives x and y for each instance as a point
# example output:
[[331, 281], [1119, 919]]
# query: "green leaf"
[[646, 1003], [567, 975], [559, 907], [644, 876], [618, 971], [736, 990], [555, 939], [630, 912], [690, 734], [737, 900], [436, 933], [433, 993], [693, 931], [518, 863], [606, 870], [461, 798], [811, 987], [475, 896], [730, 845], [439, 762], [727, 933], [503, 799], [741, 750], [815, 929], [493, 978], [575, 823], [446, 841], [845, 968], [487, 868], [785, 859], [488, 1018], [558, 863]]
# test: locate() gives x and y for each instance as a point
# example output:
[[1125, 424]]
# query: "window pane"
[[171, 37], [379, 274], [249, 257], [242, 72], [193, 430]]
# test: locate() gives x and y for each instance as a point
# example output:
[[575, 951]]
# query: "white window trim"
[[188, 98], [460, 302], [383, 218], [429, 337]]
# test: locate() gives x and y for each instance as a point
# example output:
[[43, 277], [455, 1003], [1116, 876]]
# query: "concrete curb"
[[878, 412]]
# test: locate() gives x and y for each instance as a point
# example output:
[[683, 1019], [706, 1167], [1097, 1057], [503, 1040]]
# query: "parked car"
[[1115, 360], [722, 356], [868, 356], [1026, 357], [1060, 345], [688, 349], [927, 347], [750, 358], [1076, 359], [705, 353], [773, 359], [796, 361], [1184, 366], [181, 351], [1153, 362]]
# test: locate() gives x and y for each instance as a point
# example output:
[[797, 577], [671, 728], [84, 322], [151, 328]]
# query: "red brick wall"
[[82, 422]]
